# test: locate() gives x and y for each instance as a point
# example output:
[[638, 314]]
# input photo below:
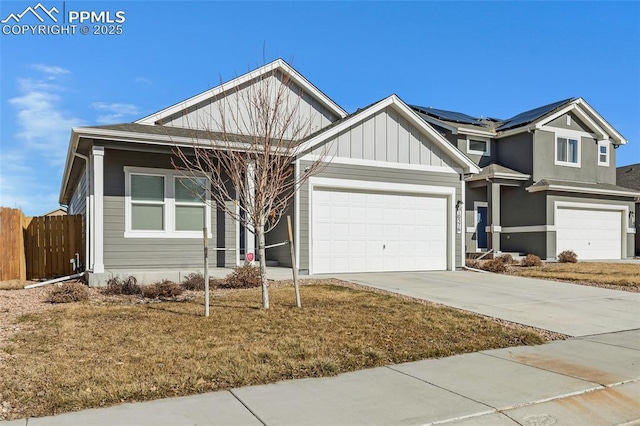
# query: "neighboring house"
[[629, 177], [548, 181], [56, 212], [389, 200]]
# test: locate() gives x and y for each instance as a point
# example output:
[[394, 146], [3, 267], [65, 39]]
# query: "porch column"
[[97, 157], [493, 199]]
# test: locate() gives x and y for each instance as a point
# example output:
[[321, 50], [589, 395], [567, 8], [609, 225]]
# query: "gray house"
[[547, 184], [629, 177], [390, 198]]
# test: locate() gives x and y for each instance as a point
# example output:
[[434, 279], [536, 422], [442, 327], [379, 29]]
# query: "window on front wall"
[[147, 202], [603, 153], [189, 204], [478, 146], [161, 203], [567, 151]]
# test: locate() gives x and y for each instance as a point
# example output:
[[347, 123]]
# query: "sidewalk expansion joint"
[[390, 367], [246, 406]]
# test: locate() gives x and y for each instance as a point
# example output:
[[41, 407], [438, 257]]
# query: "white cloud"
[[143, 80], [32, 157], [51, 70], [115, 112]]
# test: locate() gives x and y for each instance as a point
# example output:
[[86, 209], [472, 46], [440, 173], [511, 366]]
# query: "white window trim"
[[481, 139], [608, 153], [169, 206], [568, 136]]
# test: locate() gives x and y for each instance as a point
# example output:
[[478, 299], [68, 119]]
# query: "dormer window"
[[568, 151], [478, 146]]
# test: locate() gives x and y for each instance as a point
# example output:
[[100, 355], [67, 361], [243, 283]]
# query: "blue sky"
[[482, 58]]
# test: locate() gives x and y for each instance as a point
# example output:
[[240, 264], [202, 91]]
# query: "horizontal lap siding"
[[373, 174], [142, 253]]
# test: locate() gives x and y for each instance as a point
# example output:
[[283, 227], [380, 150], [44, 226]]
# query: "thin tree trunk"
[[263, 266]]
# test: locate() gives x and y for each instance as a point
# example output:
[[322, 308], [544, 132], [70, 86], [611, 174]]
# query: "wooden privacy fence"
[[39, 247], [12, 261]]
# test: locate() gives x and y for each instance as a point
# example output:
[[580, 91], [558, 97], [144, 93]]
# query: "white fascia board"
[[601, 134], [515, 131], [498, 175], [408, 114], [155, 139], [476, 132], [579, 190], [278, 63], [602, 122]]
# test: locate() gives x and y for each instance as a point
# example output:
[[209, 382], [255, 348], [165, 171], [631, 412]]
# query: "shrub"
[[531, 260], [117, 286], [68, 292], [246, 276], [494, 265], [506, 258], [164, 289], [568, 256], [194, 281], [472, 263]]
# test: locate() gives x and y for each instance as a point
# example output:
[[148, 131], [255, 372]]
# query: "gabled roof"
[[458, 122], [278, 64], [531, 115], [407, 112], [629, 176], [582, 188]]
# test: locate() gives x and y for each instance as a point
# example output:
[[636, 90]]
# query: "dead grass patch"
[[91, 355], [619, 276], [12, 285]]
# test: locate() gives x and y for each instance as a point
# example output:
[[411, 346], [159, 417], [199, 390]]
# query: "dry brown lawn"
[[12, 285], [95, 354], [618, 276]]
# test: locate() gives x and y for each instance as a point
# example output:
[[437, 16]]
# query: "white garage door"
[[592, 234], [372, 232]]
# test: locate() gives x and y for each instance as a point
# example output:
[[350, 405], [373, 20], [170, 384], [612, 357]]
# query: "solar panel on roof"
[[456, 117], [531, 115]]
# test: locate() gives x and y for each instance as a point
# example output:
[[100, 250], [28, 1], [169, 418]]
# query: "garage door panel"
[[590, 233], [377, 231]]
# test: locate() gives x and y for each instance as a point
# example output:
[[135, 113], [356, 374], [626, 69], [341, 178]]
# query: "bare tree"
[[247, 151]]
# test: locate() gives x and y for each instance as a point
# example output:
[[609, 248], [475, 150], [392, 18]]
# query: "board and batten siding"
[[374, 174], [386, 136], [207, 114], [138, 254]]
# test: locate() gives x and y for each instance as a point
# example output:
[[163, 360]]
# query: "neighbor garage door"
[[592, 234], [377, 231]]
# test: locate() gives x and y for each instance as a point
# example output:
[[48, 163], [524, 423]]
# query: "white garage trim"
[[331, 183], [624, 219]]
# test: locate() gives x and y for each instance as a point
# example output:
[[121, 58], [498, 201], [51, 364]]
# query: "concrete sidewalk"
[[592, 380]]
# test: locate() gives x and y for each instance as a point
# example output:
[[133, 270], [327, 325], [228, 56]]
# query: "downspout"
[[87, 208]]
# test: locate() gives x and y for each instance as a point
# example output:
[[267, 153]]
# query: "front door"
[[481, 228]]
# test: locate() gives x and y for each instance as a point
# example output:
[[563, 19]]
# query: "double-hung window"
[[164, 204], [568, 151]]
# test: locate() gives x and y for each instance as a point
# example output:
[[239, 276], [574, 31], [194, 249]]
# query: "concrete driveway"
[[570, 309]]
